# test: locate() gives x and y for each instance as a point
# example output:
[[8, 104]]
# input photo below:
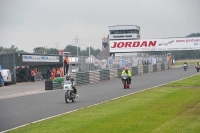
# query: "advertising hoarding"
[[39, 58], [172, 44]]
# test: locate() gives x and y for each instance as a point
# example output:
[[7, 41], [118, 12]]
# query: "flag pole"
[[89, 49]]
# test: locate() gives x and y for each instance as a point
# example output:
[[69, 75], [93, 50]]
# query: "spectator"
[[32, 75], [26, 74], [58, 73], [61, 72], [66, 65], [53, 74]]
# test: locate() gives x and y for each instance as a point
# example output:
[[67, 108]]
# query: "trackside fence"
[[92, 77]]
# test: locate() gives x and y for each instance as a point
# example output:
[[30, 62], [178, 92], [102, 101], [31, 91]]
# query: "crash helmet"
[[67, 76]]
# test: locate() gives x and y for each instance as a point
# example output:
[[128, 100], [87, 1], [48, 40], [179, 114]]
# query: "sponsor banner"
[[39, 58], [116, 61], [155, 45], [122, 63], [103, 64], [96, 62]]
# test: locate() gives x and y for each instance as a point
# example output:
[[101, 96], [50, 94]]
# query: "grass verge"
[[174, 107]]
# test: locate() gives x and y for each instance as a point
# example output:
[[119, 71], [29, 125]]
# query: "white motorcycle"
[[69, 91]]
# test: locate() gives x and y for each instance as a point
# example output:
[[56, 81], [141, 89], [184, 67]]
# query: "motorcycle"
[[125, 81], [69, 91], [197, 68], [185, 67]]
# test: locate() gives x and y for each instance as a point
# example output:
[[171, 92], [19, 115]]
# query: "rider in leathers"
[[128, 72], [73, 84]]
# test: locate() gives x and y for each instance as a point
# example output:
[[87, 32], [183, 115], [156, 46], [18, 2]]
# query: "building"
[[16, 61], [124, 32], [119, 32]]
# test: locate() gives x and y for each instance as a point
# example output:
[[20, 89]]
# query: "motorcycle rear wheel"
[[72, 96]]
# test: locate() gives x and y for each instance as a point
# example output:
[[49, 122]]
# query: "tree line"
[[185, 54], [44, 50]]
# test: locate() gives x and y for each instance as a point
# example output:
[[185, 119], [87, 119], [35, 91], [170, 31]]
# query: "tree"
[[52, 51], [10, 50], [93, 51], [72, 49]]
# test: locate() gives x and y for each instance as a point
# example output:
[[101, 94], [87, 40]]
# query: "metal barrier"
[[94, 63], [150, 68], [140, 70], [159, 67], [162, 66], [82, 78], [38, 76], [104, 75], [134, 71], [91, 77], [145, 69], [154, 67]]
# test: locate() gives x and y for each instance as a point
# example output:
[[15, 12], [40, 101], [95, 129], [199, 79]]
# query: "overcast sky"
[[33, 23]]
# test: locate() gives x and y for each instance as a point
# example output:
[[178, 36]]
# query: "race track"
[[21, 110]]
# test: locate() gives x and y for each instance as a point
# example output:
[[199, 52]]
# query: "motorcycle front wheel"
[[124, 84], [66, 97]]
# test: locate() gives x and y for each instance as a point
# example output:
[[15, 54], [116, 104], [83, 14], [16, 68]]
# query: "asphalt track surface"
[[21, 110]]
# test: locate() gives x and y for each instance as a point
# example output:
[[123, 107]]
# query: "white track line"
[[95, 104]]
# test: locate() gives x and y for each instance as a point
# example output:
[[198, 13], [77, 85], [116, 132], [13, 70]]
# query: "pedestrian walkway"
[[22, 89]]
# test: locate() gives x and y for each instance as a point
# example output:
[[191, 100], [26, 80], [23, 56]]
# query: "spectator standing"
[[58, 73], [61, 72], [53, 74], [66, 65]]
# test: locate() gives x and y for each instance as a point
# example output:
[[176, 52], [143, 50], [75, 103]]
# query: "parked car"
[[1, 81], [6, 76]]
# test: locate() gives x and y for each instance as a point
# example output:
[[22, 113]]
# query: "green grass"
[[189, 61], [181, 62], [172, 108]]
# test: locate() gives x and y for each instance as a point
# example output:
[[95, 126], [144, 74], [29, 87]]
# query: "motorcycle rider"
[[185, 64], [197, 64], [126, 71], [73, 83]]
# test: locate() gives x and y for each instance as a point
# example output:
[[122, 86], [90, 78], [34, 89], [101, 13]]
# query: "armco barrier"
[[140, 70], [150, 68], [162, 66], [113, 73], [91, 77], [159, 67], [166, 65], [145, 69], [104, 74], [82, 78], [154, 67], [134, 71], [119, 72]]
